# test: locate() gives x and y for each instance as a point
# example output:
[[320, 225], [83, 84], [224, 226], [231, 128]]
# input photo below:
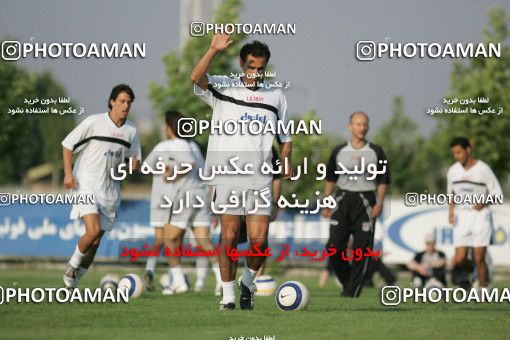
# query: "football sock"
[[248, 276], [177, 276], [201, 267], [76, 259], [151, 264], [216, 270], [229, 295]]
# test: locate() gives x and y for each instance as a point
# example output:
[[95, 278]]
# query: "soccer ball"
[[292, 295], [109, 281], [417, 282], [433, 283], [266, 285], [164, 281], [133, 284]]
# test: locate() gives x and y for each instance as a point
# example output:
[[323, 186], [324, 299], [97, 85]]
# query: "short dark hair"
[[256, 49], [461, 141], [172, 118], [118, 90]]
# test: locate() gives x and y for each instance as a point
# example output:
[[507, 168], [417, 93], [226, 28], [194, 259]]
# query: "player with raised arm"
[[472, 222], [103, 142], [244, 98], [160, 217]]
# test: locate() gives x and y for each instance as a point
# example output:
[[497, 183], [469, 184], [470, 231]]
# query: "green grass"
[[195, 316]]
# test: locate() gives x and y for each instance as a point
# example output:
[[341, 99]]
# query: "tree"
[[177, 93], [27, 140], [316, 149], [17, 133], [53, 128], [403, 147], [481, 77]]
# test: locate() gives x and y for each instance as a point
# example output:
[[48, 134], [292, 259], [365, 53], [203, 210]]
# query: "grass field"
[[195, 316]]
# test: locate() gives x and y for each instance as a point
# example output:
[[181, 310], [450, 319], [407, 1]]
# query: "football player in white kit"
[[239, 100], [472, 222], [171, 223], [103, 141]]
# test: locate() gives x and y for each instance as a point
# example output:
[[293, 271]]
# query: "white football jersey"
[[102, 146], [477, 180], [230, 100], [174, 152]]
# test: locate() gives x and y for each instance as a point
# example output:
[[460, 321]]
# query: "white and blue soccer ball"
[[266, 285], [292, 296], [133, 284], [109, 281]]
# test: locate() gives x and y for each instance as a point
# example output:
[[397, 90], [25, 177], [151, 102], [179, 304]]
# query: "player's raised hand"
[[70, 182], [220, 41]]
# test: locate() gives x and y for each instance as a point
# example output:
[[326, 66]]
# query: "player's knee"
[[205, 243], [172, 242], [167, 242], [229, 236], [260, 241], [94, 232], [258, 236]]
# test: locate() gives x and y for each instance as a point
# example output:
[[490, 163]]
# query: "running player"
[[359, 200], [237, 100], [173, 222], [103, 142], [159, 217], [472, 222]]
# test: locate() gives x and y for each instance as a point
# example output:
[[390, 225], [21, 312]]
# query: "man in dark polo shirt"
[[357, 177]]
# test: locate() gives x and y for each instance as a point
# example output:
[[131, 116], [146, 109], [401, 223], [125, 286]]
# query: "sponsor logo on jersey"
[[248, 117], [110, 153], [467, 190], [117, 135], [254, 99]]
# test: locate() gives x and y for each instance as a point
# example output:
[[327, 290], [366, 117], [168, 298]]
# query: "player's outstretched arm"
[[381, 193], [218, 43], [69, 180]]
